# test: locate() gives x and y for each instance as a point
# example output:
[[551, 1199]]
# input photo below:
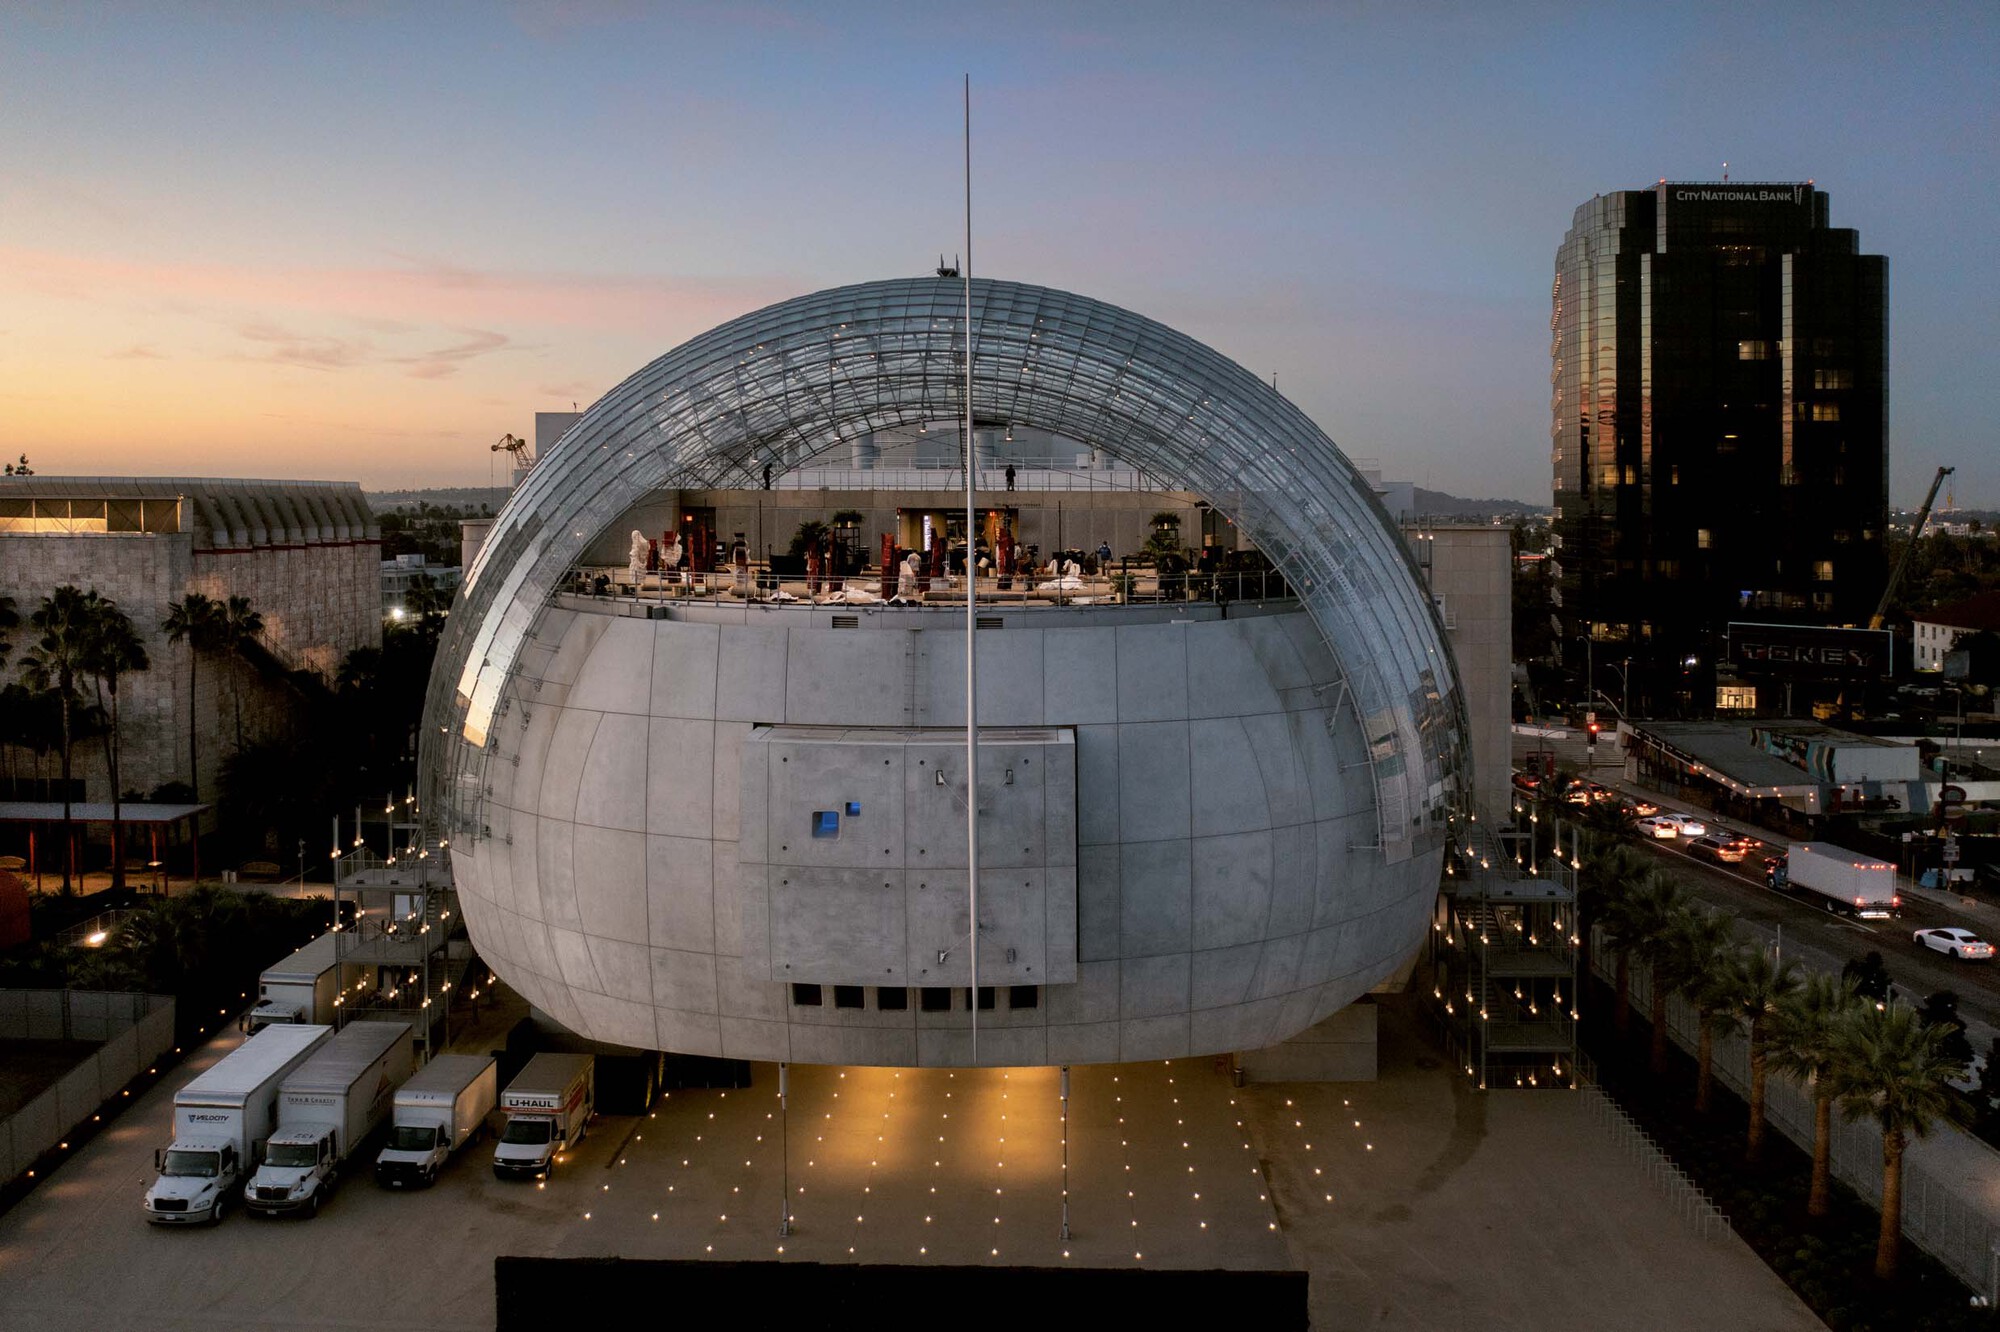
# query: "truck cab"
[[527, 1147], [414, 1154], [269, 1011], [301, 1166], [195, 1184]]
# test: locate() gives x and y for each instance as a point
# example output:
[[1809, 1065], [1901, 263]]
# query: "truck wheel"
[[221, 1210], [312, 1206], [430, 1177]]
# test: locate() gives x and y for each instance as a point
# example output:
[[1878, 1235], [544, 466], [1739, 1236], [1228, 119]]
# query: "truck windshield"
[[412, 1138], [198, 1165], [531, 1132], [292, 1154]]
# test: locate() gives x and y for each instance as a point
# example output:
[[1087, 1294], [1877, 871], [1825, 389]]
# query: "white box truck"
[[304, 986], [548, 1109], [220, 1122], [438, 1111], [1838, 879], [326, 1111]]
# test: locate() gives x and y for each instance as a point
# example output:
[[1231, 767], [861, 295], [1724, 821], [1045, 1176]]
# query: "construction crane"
[[524, 454], [1903, 562]]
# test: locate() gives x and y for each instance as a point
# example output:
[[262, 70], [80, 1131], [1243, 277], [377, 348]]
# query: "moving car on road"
[[1686, 825], [1724, 848], [1958, 943], [1658, 825]]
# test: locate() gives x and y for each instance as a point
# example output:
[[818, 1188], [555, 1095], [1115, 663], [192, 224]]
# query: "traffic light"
[[1591, 738]]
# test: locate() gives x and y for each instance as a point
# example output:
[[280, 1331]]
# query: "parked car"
[[1687, 825], [1645, 809], [1958, 943], [1725, 849], [1659, 826]]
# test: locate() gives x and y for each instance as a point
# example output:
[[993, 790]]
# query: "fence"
[[136, 1029], [1951, 1180], [1686, 1197]]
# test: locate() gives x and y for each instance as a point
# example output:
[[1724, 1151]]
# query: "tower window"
[[1826, 411], [934, 999], [1704, 539], [1832, 379], [1753, 349]]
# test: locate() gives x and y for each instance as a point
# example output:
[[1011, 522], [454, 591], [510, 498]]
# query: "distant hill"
[[459, 497], [1437, 504]]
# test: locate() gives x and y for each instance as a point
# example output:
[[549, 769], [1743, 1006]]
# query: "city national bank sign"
[[1791, 194]]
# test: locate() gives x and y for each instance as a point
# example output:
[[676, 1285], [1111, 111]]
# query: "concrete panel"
[[1010, 677], [611, 882], [728, 906], [846, 678], [1097, 794], [1287, 797], [678, 780], [1226, 786], [1276, 652], [750, 673], [1294, 878], [1278, 967], [623, 969], [1231, 888], [1059, 925], [838, 925], [687, 1033], [1236, 1027], [553, 843], [680, 893], [684, 669], [742, 993], [1155, 907], [683, 980], [1098, 922], [936, 912], [1094, 997], [617, 677], [1079, 676], [1153, 1038], [750, 1038], [524, 864], [1224, 975], [727, 783], [1224, 677], [619, 1021], [563, 768], [1153, 781], [1152, 672], [575, 966], [853, 1045], [1153, 986], [1084, 1043]]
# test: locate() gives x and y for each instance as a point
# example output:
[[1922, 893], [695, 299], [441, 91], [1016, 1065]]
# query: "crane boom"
[[1903, 562]]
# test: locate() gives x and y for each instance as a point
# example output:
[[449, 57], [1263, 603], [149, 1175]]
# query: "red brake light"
[[1895, 901]]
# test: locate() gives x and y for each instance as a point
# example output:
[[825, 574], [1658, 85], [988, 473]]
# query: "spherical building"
[[734, 826]]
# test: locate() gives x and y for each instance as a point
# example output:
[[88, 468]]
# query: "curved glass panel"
[[784, 385]]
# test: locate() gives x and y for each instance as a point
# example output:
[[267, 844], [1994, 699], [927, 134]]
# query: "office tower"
[[1719, 445]]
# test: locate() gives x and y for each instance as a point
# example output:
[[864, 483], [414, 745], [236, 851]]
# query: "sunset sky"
[[363, 240]]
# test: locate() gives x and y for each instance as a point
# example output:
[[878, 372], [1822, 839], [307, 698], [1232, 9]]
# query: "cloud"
[[445, 361], [304, 350], [138, 351]]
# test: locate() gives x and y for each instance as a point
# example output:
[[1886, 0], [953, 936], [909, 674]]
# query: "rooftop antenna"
[[971, 602]]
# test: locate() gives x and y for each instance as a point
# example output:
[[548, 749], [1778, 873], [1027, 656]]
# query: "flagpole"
[[971, 602]]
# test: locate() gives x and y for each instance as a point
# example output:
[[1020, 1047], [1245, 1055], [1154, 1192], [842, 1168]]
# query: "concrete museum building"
[[726, 817]]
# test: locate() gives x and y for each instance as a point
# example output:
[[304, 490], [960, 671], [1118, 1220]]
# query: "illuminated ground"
[[1413, 1203]]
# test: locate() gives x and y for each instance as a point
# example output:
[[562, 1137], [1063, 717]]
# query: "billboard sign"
[[1808, 652]]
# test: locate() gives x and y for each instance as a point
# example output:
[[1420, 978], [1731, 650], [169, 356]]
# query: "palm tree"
[[51, 665], [1610, 875], [1694, 951], [1803, 1041], [114, 649], [1754, 987], [1646, 931], [9, 620], [1890, 1066], [193, 620], [239, 625]]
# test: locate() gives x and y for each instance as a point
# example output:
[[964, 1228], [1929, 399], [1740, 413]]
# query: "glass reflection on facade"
[[777, 388], [1719, 445]]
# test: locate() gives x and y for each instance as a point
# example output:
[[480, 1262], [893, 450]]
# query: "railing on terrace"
[[1120, 586], [1030, 474]]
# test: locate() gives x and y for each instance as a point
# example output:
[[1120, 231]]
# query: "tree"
[[1869, 975], [55, 658], [1610, 871], [1694, 950], [113, 649], [1753, 988], [1630, 920], [1804, 1042], [238, 626], [1890, 1067], [9, 621], [194, 620]]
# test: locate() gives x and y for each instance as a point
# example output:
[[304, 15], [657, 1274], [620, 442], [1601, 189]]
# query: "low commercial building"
[[1777, 772], [1936, 631]]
